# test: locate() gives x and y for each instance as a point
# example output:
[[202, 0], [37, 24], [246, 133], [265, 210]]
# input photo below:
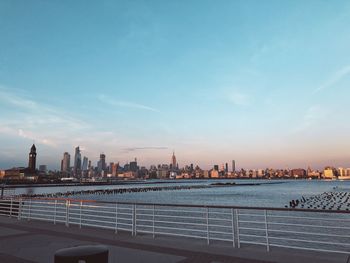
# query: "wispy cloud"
[[313, 116], [132, 149], [127, 104], [335, 78], [30, 119]]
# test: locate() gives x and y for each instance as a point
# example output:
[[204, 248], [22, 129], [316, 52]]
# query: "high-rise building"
[[173, 161], [65, 164], [101, 165], [233, 166], [85, 164], [32, 159], [77, 162], [133, 166], [226, 167]]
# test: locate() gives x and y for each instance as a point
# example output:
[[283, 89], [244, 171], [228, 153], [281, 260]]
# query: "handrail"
[[209, 222], [192, 205]]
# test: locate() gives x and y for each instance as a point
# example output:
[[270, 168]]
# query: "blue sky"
[[262, 82]]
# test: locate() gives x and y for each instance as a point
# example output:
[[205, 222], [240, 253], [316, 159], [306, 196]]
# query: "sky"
[[265, 83]]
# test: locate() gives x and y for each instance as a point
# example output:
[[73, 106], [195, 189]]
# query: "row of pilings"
[[324, 201], [117, 191]]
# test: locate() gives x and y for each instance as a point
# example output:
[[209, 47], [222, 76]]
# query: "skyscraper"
[[77, 161], [173, 161], [85, 163], [102, 163], [32, 159], [65, 163], [233, 166]]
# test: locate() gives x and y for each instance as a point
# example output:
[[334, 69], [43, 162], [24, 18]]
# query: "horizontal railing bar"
[[223, 233], [181, 229], [220, 219], [211, 225], [184, 217], [247, 235], [290, 224], [179, 211], [251, 222], [311, 218], [256, 215], [180, 235], [252, 242], [221, 239], [309, 241], [307, 233], [250, 228]]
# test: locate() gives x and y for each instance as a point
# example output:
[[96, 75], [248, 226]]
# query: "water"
[[270, 193]]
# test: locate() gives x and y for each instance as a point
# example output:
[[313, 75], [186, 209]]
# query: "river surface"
[[269, 193]]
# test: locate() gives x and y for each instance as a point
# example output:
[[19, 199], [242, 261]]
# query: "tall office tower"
[[226, 167], [89, 165], [173, 161], [102, 163], [133, 166], [85, 163], [77, 161], [216, 167], [65, 163], [32, 159], [233, 166]]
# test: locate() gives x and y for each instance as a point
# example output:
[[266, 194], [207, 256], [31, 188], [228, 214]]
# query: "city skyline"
[[213, 81]]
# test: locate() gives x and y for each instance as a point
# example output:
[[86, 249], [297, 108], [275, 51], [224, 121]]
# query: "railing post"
[[67, 213], [29, 209], [11, 203], [19, 209], [81, 205], [237, 227], [54, 216], [134, 219], [266, 232], [116, 218], [207, 219], [153, 219], [233, 227]]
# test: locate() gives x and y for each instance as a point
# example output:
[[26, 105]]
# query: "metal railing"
[[318, 230]]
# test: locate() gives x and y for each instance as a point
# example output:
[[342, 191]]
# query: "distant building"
[[65, 163], [233, 166], [216, 167], [77, 162], [298, 173], [32, 159], [329, 173], [133, 166], [226, 168], [173, 162], [214, 173], [43, 168], [85, 164], [101, 165]]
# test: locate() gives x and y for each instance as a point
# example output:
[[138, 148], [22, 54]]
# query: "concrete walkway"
[[36, 241]]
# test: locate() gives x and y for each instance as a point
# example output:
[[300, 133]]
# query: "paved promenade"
[[34, 241]]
